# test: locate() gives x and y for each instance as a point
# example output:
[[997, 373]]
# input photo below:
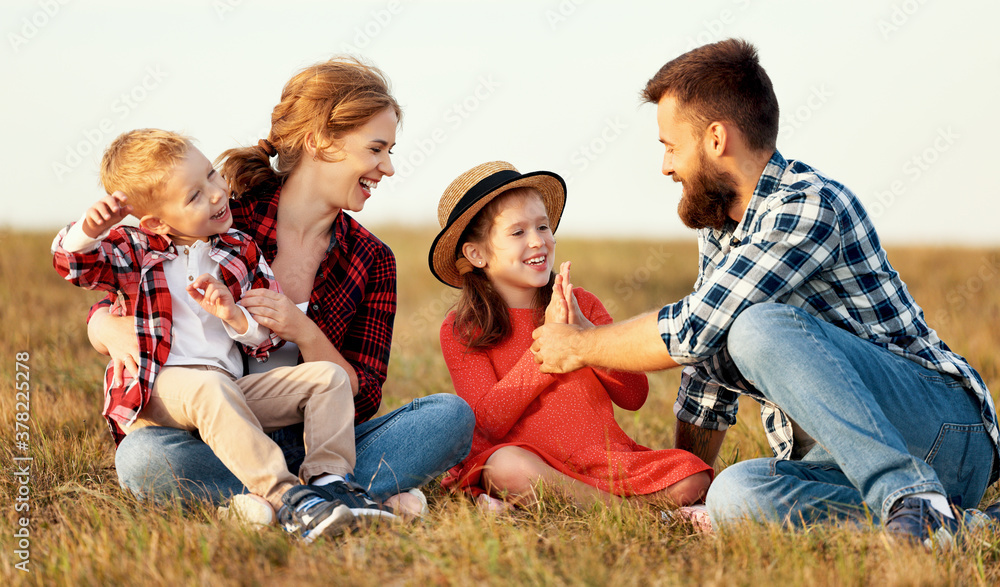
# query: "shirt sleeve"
[[627, 390], [104, 265], [497, 403], [704, 401], [796, 238], [255, 335]]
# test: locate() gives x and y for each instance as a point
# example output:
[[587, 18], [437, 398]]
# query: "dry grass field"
[[84, 531]]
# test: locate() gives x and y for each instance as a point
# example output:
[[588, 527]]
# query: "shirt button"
[[190, 277], [315, 307]]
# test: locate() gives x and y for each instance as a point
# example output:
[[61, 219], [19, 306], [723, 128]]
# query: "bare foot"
[[487, 503], [408, 505]]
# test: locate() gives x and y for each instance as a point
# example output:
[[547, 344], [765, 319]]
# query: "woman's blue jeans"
[[403, 449], [885, 427]]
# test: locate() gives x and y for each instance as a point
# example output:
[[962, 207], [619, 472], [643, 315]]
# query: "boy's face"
[[193, 203]]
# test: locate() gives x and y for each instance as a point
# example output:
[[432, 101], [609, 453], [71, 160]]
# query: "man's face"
[[708, 190]]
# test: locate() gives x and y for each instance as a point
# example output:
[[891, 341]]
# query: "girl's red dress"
[[567, 420]]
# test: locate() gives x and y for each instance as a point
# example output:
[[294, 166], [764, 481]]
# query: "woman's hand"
[[277, 312], [115, 336]]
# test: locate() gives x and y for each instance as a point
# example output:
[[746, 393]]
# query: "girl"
[[497, 246]]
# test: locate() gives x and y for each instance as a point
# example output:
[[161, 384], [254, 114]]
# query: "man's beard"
[[708, 195]]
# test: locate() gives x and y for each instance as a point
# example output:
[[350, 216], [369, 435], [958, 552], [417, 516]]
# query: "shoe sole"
[[338, 522], [371, 517]]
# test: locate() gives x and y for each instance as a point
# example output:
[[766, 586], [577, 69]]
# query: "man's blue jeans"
[[885, 427], [403, 449]]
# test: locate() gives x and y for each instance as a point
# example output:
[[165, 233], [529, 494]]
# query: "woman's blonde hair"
[[328, 100]]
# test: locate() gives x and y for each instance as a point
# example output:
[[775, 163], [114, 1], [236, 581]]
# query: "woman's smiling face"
[[360, 160]]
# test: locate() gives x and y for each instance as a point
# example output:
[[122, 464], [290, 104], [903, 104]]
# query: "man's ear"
[[717, 138], [474, 254], [154, 224]]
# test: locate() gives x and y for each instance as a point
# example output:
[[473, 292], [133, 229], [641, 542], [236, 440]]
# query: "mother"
[[331, 135]]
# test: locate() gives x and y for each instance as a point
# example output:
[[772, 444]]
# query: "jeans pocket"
[[962, 457]]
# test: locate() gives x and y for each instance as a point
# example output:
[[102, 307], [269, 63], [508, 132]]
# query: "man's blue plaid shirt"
[[806, 241]]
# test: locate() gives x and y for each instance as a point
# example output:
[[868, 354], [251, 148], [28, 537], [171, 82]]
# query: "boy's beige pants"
[[231, 415]]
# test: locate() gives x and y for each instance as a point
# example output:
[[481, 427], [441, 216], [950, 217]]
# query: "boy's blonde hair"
[[139, 162]]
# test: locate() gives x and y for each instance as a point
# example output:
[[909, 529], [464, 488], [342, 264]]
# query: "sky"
[[896, 99]]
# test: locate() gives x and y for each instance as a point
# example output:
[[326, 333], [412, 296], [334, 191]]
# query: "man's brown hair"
[[721, 82]]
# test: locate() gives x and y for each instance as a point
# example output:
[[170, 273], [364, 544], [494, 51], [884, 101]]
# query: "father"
[[797, 306]]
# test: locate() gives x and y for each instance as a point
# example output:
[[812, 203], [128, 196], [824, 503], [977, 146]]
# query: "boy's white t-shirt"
[[199, 338]]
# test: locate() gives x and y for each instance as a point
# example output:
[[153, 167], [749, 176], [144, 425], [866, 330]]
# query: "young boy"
[[181, 273]]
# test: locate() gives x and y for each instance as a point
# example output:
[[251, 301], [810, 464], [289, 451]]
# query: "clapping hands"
[[563, 307]]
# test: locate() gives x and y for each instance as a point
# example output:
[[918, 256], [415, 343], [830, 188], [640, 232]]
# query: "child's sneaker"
[[311, 511], [354, 497], [249, 509]]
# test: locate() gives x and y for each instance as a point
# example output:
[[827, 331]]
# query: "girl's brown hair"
[[329, 100], [482, 317]]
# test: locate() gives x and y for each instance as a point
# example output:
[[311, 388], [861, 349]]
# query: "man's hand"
[[216, 299], [107, 212], [555, 348]]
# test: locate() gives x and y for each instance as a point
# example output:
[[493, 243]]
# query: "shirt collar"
[[768, 183]]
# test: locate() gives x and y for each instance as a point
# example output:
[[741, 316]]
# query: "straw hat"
[[469, 193]]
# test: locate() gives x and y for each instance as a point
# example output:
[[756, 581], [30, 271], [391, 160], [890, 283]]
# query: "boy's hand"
[[107, 212], [216, 299]]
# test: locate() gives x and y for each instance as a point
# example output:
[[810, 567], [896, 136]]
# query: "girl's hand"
[[276, 311], [107, 212], [216, 299], [115, 336], [557, 311]]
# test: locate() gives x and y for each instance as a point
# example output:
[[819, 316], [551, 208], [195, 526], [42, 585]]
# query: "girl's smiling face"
[[521, 250]]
